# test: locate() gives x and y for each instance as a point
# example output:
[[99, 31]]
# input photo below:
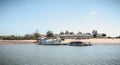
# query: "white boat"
[[45, 41]]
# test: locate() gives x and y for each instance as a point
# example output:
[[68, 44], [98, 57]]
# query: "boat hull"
[[49, 42], [79, 44]]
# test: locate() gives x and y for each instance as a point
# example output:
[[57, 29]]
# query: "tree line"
[[25, 37], [94, 33], [48, 34]]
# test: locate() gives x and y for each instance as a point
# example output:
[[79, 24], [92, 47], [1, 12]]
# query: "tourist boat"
[[45, 41], [79, 43]]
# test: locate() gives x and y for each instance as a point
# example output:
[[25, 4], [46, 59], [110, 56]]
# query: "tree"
[[109, 37], [19, 37], [104, 35], [36, 35], [66, 32], [117, 37], [88, 33], [71, 33], [27, 37], [1, 37], [79, 33], [61, 33], [94, 32], [50, 34], [12, 37]]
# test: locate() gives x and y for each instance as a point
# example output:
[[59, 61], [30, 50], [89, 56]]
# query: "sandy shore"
[[16, 42], [66, 41], [105, 41], [96, 41]]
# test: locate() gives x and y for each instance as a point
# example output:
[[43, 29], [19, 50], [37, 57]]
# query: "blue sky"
[[26, 16]]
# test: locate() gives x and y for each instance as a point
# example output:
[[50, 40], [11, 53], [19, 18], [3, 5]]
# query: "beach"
[[104, 41], [17, 42], [95, 41], [66, 41]]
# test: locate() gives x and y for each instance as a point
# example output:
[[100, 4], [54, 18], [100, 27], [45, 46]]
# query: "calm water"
[[31, 54]]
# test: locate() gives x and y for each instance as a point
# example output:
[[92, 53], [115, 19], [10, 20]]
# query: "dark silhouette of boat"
[[79, 43]]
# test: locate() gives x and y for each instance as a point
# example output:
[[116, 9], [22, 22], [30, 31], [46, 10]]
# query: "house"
[[76, 36]]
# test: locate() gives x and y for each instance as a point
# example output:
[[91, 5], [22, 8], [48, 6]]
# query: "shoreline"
[[96, 41], [3, 42], [66, 41]]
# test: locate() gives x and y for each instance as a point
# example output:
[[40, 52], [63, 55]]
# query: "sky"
[[19, 17]]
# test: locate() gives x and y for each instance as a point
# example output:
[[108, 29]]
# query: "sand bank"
[[66, 41], [16, 41], [95, 41]]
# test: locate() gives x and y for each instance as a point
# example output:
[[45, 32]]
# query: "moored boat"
[[46, 41], [79, 43]]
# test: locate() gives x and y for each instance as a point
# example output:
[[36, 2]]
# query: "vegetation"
[[109, 37], [13, 37], [104, 35], [66, 32], [62, 33], [33, 36], [94, 33], [29, 37], [50, 34], [79, 33], [71, 33], [117, 37], [1, 37], [36, 35]]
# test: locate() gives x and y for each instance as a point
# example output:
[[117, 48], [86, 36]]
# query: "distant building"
[[76, 36], [80, 36]]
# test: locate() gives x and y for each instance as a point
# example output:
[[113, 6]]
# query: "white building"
[[76, 36]]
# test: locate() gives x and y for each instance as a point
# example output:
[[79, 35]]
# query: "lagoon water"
[[31, 54]]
